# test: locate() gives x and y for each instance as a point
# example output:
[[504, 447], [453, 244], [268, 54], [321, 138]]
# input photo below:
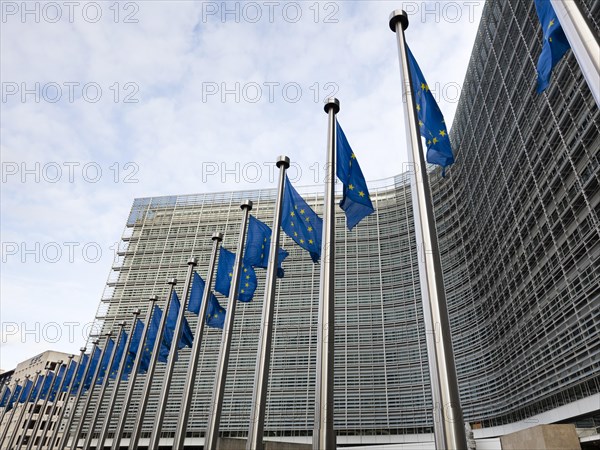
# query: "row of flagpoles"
[[163, 333]]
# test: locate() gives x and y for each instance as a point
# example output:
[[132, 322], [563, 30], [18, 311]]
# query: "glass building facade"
[[518, 219]]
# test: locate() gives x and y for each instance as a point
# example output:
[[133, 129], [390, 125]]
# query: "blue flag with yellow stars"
[[14, 397], [186, 339], [555, 43], [120, 350], [215, 315], [136, 338], [356, 201], [258, 244], [148, 348], [300, 222], [42, 387], [59, 377], [93, 363], [69, 375], [80, 371], [431, 120], [5, 397], [110, 345], [248, 281], [25, 391]]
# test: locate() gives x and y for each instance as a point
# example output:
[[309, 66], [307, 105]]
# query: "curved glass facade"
[[518, 219]]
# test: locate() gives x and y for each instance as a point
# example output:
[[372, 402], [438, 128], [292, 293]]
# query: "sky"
[[105, 102]]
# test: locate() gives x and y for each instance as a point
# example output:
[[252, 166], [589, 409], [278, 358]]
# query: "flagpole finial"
[[153, 299], [334, 103], [82, 349], [396, 16], [122, 323], [71, 356], [217, 236], [172, 281], [136, 312], [193, 261], [247, 204], [283, 160], [95, 342]]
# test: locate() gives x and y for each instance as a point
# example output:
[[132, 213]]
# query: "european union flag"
[[59, 377], [93, 364], [121, 346], [555, 43], [25, 391], [69, 374], [136, 338], [110, 345], [431, 120], [215, 315], [78, 378], [5, 398], [14, 397], [356, 201], [248, 281], [258, 244], [153, 329], [300, 222], [186, 338], [41, 388]]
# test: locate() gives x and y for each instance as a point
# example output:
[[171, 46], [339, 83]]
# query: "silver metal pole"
[[103, 386], [166, 386], [133, 377], [324, 434], [263, 358], [214, 418], [584, 43], [56, 399], [4, 410], [17, 426], [432, 282], [139, 420], [115, 390], [188, 389], [38, 422], [35, 401], [88, 399], [65, 436], [12, 412]]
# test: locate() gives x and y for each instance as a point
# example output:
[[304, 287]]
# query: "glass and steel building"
[[518, 219]]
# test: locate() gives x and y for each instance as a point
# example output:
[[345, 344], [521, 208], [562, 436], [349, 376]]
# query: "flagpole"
[[139, 420], [13, 410], [432, 282], [178, 442], [79, 393], [56, 398], [115, 390], [38, 394], [324, 434], [263, 358], [22, 411], [88, 399], [133, 377], [38, 422], [166, 386], [103, 386], [212, 431], [6, 388], [584, 44]]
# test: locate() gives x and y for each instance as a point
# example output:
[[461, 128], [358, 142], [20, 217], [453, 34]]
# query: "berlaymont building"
[[518, 218]]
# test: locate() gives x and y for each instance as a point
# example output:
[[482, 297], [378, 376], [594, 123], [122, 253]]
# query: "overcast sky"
[[106, 102]]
